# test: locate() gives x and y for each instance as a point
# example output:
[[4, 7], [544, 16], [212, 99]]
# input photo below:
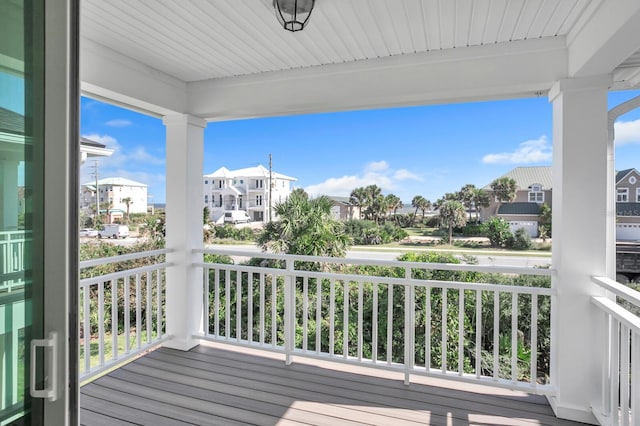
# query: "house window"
[[206, 199], [623, 195], [637, 195], [220, 183], [206, 182], [259, 183], [258, 200], [241, 181], [536, 195]]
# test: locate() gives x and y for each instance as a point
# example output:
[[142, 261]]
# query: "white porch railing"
[[121, 309], [620, 403], [13, 321], [392, 316]]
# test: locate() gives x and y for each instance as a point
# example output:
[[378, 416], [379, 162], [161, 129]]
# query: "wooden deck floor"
[[217, 385]]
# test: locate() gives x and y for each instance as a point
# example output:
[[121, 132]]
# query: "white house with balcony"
[[245, 189], [115, 191]]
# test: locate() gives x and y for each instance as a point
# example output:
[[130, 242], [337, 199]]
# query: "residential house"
[[343, 209], [534, 186], [245, 189], [628, 205], [115, 191]]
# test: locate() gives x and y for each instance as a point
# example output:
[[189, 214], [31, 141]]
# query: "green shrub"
[[521, 240], [498, 232], [474, 230], [366, 232]]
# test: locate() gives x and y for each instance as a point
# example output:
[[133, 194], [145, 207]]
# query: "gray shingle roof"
[[527, 176], [621, 174], [519, 208], [11, 122]]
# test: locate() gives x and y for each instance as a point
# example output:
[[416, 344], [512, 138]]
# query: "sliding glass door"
[[34, 391]]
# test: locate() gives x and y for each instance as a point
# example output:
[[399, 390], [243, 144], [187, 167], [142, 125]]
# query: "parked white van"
[[236, 216], [114, 230]]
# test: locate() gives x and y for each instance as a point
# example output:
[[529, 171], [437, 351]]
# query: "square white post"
[[582, 222], [184, 294]]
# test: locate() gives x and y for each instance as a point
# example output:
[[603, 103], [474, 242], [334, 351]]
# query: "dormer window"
[[536, 195]]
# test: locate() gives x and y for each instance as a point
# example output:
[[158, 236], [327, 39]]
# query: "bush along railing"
[[620, 403], [122, 308], [466, 322]]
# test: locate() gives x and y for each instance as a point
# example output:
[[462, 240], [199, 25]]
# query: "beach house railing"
[[13, 319], [464, 322], [620, 402], [122, 308]]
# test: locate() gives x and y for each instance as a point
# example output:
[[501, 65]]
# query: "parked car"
[[236, 216], [88, 232], [114, 231]]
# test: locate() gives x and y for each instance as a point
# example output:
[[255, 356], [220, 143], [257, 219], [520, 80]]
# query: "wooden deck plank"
[[337, 370], [163, 406], [296, 407], [218, 403], [346, 385], [216, 385], [92, 418], [124, 412]]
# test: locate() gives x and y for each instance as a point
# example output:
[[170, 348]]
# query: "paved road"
[[373, 254]]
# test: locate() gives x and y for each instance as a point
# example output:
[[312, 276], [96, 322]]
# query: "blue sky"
[[424, 151]]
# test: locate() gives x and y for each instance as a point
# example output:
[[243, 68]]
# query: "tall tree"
[[466, 195], [358, 198], [452, 214], [504, 189], [416, 203], [127, 201], [373, 202], [481, 200], [393, 204], [305, 226]]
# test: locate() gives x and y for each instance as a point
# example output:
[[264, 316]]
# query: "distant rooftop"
[[115, 181], [527, 176], [11, 122], [249, 172]]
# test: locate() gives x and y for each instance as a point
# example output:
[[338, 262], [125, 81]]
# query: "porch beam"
[[582, 224], [184, 294], [503, 70], [108, 75], [607, 39]]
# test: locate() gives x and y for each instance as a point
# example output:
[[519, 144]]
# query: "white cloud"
[[375, 173], [118, 123], [140, 154], [404, 174], [627, 132], [532, 151], [377, 166]]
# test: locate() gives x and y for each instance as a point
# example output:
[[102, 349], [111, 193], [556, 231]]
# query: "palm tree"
[[504, 189], [393, 204], [481, 200], [373, 203], [453, 214], [358, 198], [305, 227], [424, 206], [127, 201], [416, 203]]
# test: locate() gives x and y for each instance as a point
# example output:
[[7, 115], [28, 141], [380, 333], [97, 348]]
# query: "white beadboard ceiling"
[[194, 40]]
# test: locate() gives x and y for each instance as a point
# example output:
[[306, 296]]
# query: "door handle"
[[51, 367]]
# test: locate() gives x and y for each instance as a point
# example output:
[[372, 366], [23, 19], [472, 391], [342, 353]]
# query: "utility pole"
[[95, 173], [270, 185]]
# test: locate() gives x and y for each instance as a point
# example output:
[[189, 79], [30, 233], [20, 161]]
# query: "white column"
[[185, 144], [582, 221], [9, 195]]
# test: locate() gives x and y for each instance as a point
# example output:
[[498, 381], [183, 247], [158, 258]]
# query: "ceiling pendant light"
[[293, 15]]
